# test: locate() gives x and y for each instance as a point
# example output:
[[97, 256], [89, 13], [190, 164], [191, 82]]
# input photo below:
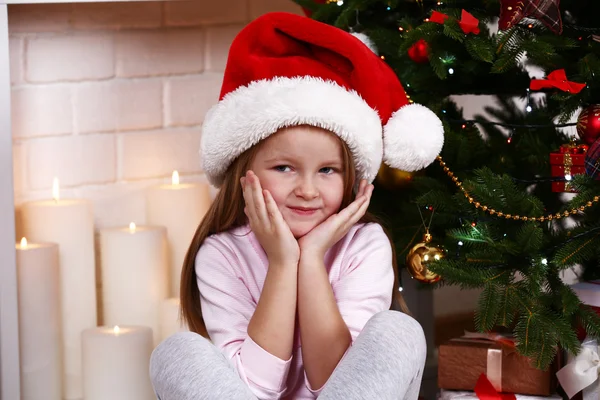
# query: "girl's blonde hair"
[[227, 212]]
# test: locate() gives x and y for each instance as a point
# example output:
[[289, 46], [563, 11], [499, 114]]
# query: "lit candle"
[[39, 320], [179, 207], [170, 321], [70, 224], [116, 362], [134, 270]]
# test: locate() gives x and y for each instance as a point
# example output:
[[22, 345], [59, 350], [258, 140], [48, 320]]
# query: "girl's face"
[[302, 167]]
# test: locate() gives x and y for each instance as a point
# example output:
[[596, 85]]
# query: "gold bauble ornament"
[[419, 256], [392, 178]]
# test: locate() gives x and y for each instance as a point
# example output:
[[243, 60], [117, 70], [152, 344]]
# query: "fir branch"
[[508, 305], [488, 309], [480, 49], [507, 60], [506, 38], [529, 238], [437, 65], [577, 251], [589, 320], [453, 30]]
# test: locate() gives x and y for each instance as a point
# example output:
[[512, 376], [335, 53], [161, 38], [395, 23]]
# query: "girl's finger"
[[361, 188], [247, 192], [347, 213], [272, 208], [258, 200]]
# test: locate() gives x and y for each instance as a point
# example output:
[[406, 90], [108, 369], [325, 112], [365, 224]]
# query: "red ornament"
[[588, 124], [419, 52], [546, 11]]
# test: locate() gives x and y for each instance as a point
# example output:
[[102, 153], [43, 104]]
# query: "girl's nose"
[[306, 189]]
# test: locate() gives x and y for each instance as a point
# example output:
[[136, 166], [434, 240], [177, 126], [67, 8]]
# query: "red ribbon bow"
[[468, 23], [557, 79], [485, 391]]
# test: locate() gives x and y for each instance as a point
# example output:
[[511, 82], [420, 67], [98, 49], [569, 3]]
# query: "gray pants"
[[385, 362]]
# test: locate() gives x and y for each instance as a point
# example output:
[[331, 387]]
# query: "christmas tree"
[[502, 217]]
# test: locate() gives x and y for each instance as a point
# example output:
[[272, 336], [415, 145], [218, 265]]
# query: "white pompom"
[[366, 40], [412, 138]]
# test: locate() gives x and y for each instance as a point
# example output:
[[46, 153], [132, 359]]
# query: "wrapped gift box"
[[569, 160], [457, 395], [462, 361]]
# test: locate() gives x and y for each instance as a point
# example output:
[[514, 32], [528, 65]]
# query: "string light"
[[400, 289], [340, 3], [528, 108], [460, 243], [389, 8], [473, 224], [568, 177], [451, 71], [401, 29], [544, 261], [383, 57]]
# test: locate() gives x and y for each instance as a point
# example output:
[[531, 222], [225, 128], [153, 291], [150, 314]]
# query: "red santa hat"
[[286, 70]]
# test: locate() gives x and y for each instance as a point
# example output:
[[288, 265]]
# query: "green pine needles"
[[517, 264]]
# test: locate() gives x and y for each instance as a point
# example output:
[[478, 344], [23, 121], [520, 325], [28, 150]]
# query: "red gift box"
[[568, 161]]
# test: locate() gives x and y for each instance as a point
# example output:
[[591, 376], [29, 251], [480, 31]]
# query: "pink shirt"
[[231, 268]]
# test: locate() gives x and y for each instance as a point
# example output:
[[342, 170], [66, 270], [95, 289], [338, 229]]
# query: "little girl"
[[288, 282]]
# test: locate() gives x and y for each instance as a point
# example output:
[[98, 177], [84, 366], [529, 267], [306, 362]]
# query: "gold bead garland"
[[500, 214]]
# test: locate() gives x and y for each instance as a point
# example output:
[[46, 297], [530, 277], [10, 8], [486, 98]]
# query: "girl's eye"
[[327, 170], [283, 168]]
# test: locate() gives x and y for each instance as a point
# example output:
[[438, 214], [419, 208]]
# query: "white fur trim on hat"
[[367, 41], [412, 138], [251, 113]]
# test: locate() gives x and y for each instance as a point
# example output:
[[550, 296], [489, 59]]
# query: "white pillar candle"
[[39, 321], [70, 224], [116, 362], [135, 271], [170, 321], [180, 208]]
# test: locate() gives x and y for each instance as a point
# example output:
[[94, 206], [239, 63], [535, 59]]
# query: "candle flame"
[[132, 227], [116, 329], [23, 243], [55, 189], [175, 178]]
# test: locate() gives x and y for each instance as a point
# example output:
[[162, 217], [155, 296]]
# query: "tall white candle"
[[39, 321], [179, 207], [134, 270], [116, 362], [170, 321], [70, 224]]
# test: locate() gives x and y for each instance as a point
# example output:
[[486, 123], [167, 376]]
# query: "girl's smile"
[[302, 168]]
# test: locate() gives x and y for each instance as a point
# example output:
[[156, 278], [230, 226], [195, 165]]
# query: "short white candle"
[[39, 321], [116, 362], [170, 321], [135, 271], [70, 224], [179, 207]]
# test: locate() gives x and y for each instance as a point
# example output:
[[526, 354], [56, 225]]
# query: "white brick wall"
[[110, 97]]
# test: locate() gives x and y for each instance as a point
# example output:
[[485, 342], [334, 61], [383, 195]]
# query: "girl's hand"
[[267, 223], [322, 237]]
